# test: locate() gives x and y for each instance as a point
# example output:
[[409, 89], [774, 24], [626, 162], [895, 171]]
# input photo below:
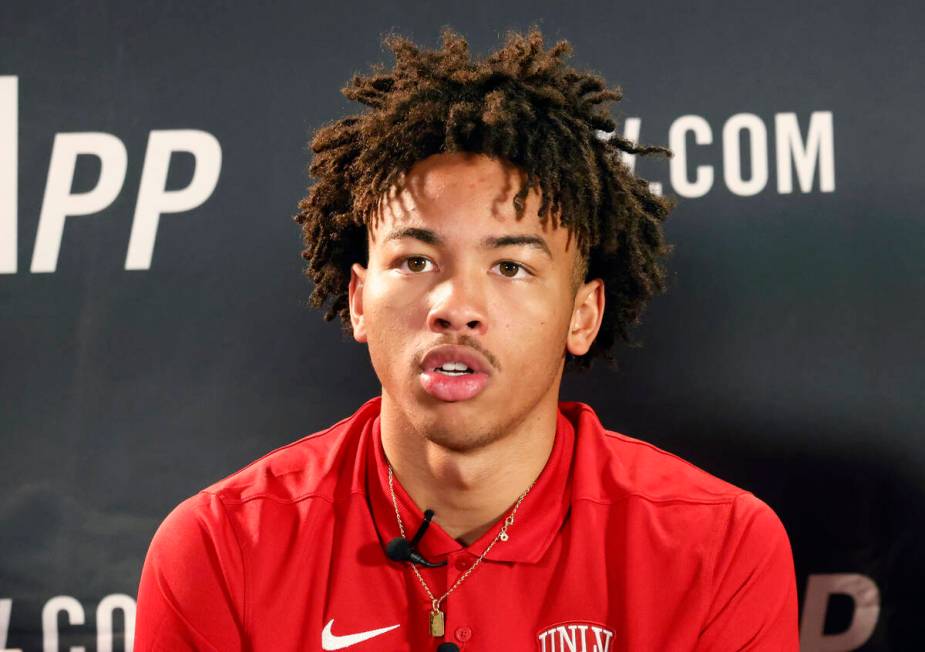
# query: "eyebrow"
[[493, 242], [532, 241], [415, 233]]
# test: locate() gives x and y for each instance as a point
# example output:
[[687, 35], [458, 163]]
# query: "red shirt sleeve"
[[754, 604], [191, 594]]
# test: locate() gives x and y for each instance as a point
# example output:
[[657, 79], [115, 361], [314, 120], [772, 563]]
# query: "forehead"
[[464, 196]]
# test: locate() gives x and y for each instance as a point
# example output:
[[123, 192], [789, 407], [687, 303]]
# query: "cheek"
[[392, 306], [534, 328], [388, 327]]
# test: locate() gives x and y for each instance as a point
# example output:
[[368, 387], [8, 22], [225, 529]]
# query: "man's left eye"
[[416, 264], [511, 269]]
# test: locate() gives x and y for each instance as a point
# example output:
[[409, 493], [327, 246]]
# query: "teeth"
[[454, 369]]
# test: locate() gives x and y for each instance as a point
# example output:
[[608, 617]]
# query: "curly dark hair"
[[521, 104]]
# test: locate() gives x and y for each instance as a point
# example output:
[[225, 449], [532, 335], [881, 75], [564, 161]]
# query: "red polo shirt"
[[619, 546]]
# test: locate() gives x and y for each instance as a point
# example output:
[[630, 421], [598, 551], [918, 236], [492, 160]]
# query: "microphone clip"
[[400, 549]]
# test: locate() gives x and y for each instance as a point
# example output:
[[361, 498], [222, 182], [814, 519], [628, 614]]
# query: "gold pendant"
[[436, 623]]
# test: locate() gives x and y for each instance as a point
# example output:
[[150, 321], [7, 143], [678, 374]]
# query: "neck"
[[469, 490]]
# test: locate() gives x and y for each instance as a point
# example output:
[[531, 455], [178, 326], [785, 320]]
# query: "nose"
[[458, 307]]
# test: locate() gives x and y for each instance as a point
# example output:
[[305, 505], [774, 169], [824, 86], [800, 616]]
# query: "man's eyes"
[[420, 264]]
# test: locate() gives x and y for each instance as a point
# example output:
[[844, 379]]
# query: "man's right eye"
[[416, 264]]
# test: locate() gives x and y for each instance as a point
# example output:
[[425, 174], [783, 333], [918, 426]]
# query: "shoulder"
[[612, 466], [664, 489], [679, 508], [318, 465], [215, 518]]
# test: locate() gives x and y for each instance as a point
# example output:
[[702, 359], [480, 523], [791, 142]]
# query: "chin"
[[461, 441], [459, 426]]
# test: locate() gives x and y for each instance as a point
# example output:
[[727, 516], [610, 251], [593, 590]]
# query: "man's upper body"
[[475, 233], [618, 546]]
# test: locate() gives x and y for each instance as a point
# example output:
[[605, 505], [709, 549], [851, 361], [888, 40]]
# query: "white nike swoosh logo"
[[331, 642]]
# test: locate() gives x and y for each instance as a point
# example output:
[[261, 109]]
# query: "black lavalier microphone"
[[400, 549]]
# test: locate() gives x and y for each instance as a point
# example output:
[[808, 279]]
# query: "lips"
[[458, 386]]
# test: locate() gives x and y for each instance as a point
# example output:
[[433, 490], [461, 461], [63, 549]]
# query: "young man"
[[478, 233]]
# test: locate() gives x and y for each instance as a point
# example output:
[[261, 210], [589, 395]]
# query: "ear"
[[355, 299], [587, 314]]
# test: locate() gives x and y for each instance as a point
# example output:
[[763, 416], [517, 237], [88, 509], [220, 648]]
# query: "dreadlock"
[[522, 104]]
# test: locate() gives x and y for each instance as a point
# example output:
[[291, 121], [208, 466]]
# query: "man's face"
[[467, 311]]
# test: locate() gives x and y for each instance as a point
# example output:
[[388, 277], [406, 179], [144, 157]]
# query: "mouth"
[[454, 373]]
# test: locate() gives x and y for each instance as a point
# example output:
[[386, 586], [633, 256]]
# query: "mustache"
[[461, 340]]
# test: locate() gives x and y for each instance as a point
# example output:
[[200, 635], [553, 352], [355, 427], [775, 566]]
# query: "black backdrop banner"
[[154, 335]]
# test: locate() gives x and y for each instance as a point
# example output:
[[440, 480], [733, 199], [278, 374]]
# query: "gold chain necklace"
[[437, 622]]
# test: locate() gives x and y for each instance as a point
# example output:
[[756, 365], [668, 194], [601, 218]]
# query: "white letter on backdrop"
[[819, 148], [59, 202], [677, 143], [153, 197], [104, 634], [732, 155], [9, 168], [859, 588], [6, 606], [75, 616]]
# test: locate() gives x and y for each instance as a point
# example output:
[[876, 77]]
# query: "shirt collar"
[[539, 518]]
